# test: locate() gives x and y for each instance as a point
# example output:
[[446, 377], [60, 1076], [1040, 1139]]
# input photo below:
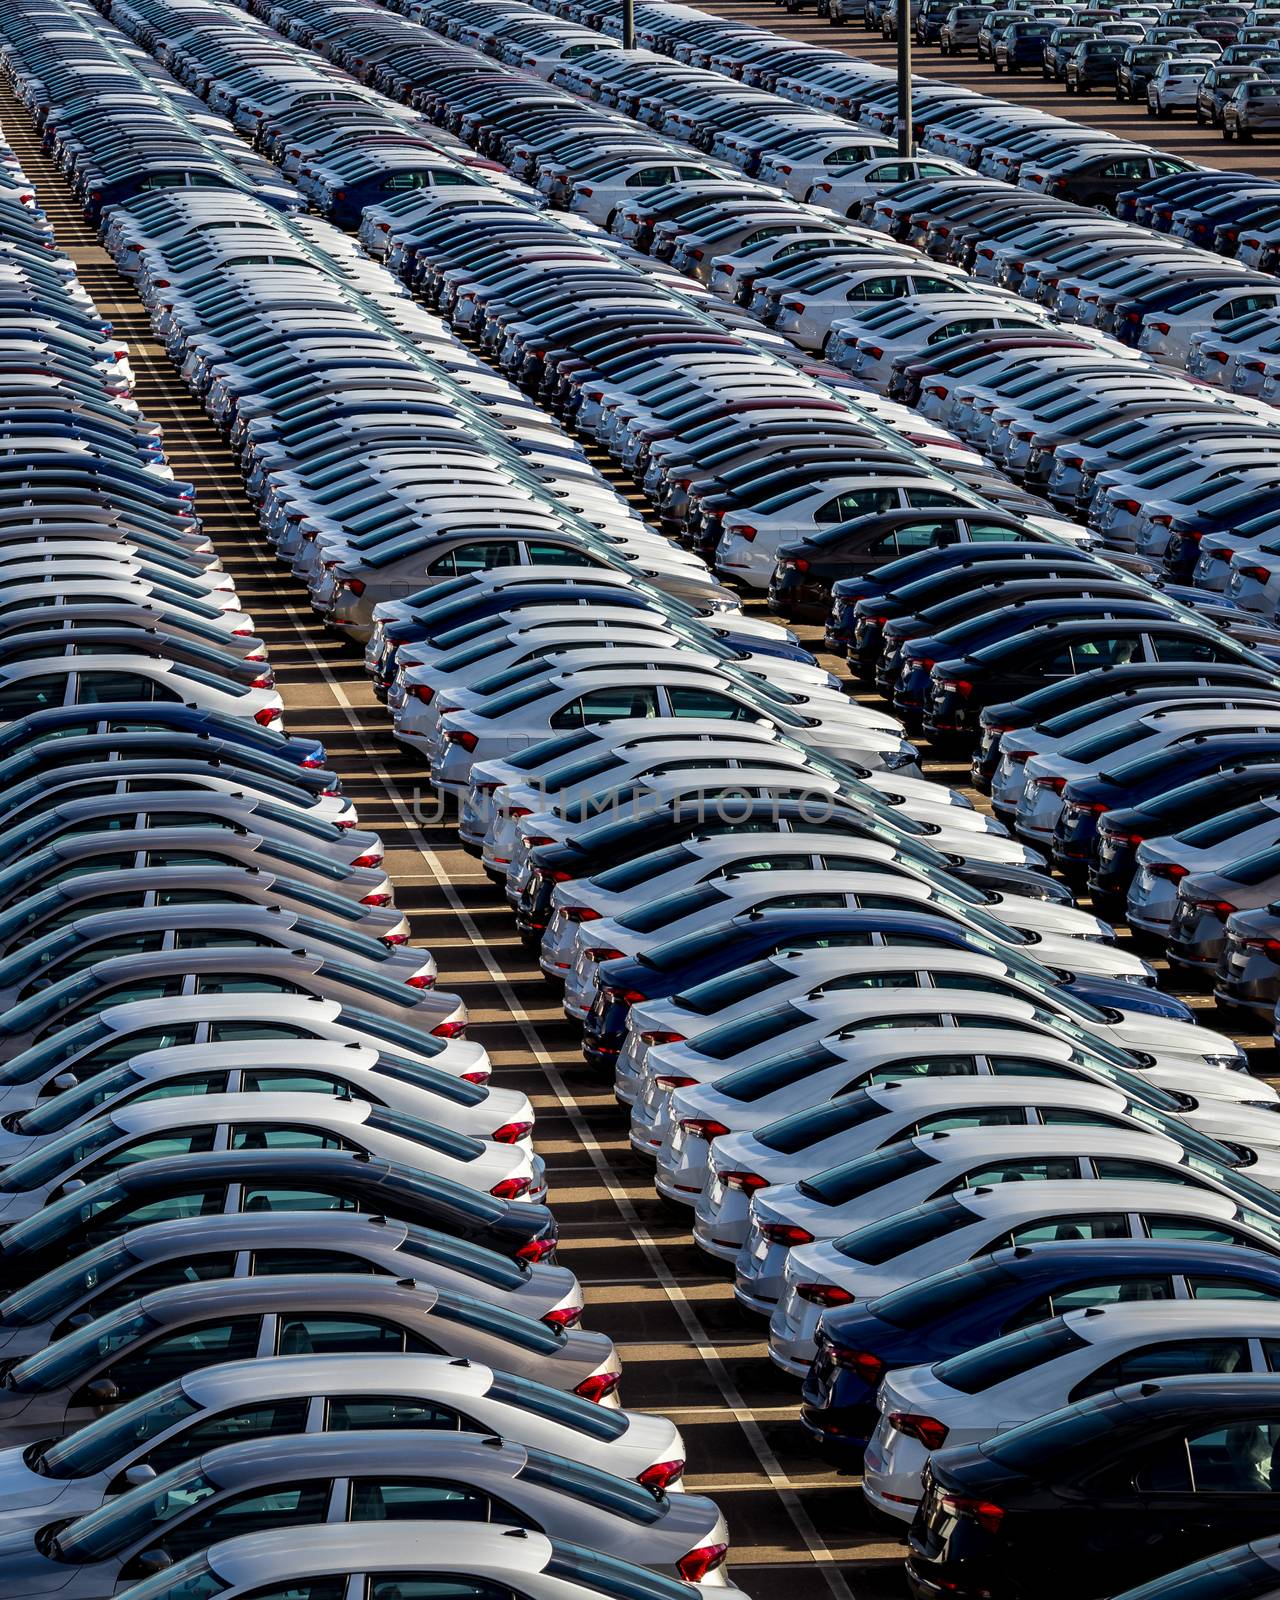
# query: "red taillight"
[[660, 1475], [537, 1249], [598, 1385], [511, 1188], [1221, 909], [480, 1075], [602, 952], [264, 680], [625, 997], [394, 938], [1131, 506], [1260, 574], [449, 1030], [423, 692], [744, 1182], [1160, 327], [381, 898], [354, 585], [823, 1294], [931, 1433], [694, 1567], [747, 533], [421, 980], [661, 1036], [1168, 870], [462, 736], [579, 914], [563, 1317], [786, 1233], [367, 860], [798, 564], [1056, 784], [985, 1513], [551, 874], [1270, 947], [865, 1363], [267, 716], [511, 1132], [704, 1127]]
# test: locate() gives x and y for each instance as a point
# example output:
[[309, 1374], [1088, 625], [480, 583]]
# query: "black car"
[[1247, 1572], [1120, 832], [1098, 180], [1111, 1491], [258, 1180], [913, 600], [807, 568], [1064, 694], [1084, 800], [960, 688], [1136, 70]]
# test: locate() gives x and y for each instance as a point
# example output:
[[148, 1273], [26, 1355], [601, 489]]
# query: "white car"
[[263, 1122], [809, 316], [1052, 1364], [845, 191], [1167, 335], [792, 978], [29, 686], [741, 1166], [1174, 85], [944, 1232]]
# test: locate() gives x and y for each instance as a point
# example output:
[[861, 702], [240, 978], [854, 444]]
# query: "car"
[[1039, 1369], [1252, 108], [937, 1234], [1201, 1439], [535, 1566], [962, 1307]]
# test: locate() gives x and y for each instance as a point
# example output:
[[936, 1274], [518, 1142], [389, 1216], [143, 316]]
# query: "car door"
[[405, 1499], [606, 705]]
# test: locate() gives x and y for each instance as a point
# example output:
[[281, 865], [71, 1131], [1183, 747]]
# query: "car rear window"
[[990, 1364], [879, 1242], [672, 908], [750, 1084], [865, 1175], [934, 1299], [718, 994], [721, 1044], [805, 1128]]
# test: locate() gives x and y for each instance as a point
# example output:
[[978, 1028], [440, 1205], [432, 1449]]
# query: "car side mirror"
[[147, 1563], [71, 1186], [132, 1478], [102, 1392], [63, 1082]]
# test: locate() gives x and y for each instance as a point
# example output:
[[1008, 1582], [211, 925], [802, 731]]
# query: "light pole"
[[628, 24], [905, 143]]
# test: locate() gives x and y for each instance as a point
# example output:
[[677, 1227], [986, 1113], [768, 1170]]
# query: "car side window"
[[283, 1506], [887, 287], [1042, 1169], [427, 1500], [197, 1142], [1128, 1170], [1178, 647], [447, 1586], [857, 503], [23, 698], [606, 705], [317, 1334], [274, 1263], [1086, 1225], [707, 703], [1082, 1295], [1242, 1458], [1230, 1289], [230, 1427], [353, 1412], [303, 1589], [979, 1117], [148, 1366], [97, 688], [479, 557], [1190, 1229], [1172, 1359], [160, 1275]]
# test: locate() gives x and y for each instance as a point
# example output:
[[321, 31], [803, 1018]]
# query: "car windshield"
[[97, 1447], [49, 1295], [65, 1359], [62, 1110], [140, 1513], [192, 1579], [43, 1165]]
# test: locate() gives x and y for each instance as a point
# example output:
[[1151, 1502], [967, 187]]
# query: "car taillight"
[[511, 1132], [1270, 946], [661, 1036], [694, 1567], [931, 1433], [985, 1513], [1167, 869], [511, 1188], [797, 564], [598, 1385], [624, 997], [423, 692], [480, 1075], [370, 859], [553, 874], [824, 1294], [795, 305], [660, 1475], [744, 1182], [421, 980], [786, 1233], [579, 914], [1259, 573], [536, 1250], [462, 736], [1221, 909], [602, 952], [747, 533], [704, 1127], [960, 686], [264, 680], [267, 716], [562, 1317], [394, 938], [382, 898], [868, 1366], [1160, 327], [449, 1030], [354, 585]]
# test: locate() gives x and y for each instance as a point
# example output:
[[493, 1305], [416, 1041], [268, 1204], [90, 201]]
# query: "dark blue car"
[[1084, 800], [727, 946], [980, 1300], [61, 720]]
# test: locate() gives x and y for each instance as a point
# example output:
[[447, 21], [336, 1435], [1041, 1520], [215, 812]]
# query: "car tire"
[[1226, 134], [1068, 86], [1151, 110], [996, 68]]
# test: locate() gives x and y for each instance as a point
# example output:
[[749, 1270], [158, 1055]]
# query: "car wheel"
[[1163, 111], [1151, 110], [1068, 86], [1226, 133], [1199, 118], [997, 67]]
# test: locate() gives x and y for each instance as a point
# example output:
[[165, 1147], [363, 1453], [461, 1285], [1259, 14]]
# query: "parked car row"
[[742, 916], [275, 1251]]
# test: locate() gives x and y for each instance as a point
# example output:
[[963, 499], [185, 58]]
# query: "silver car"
[[365, 1476], [314, 1395]]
